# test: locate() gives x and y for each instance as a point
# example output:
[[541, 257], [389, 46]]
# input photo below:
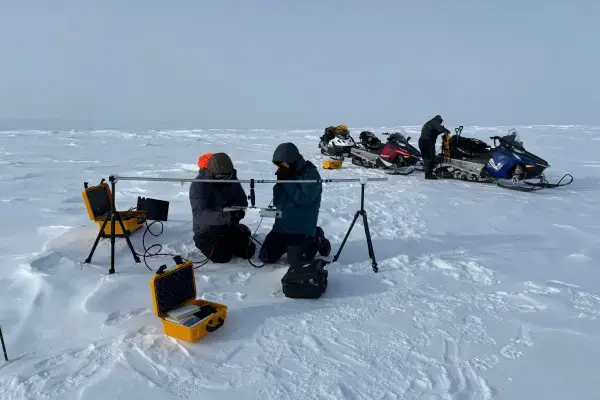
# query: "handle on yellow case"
[[217, 326]]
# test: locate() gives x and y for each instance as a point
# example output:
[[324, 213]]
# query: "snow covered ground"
[[482, 292]]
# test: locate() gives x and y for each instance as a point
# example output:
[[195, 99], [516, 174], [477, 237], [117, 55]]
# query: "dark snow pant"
[[223, 243], [427, 149], [300, 249]]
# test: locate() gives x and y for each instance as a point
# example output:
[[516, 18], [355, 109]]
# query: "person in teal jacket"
[[296, 232]]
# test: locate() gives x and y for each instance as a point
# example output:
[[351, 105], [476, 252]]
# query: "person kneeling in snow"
[[296, 232], [218, 234]]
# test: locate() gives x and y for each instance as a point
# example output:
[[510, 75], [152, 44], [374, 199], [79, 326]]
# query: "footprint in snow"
[[218, 296], [118, 317], [241, 278], [534, 288]]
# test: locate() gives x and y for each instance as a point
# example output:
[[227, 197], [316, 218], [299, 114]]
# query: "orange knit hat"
[[203, 160]]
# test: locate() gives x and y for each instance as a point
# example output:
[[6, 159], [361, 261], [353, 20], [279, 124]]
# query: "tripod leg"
[[369, 242], [335, 258], [112, 243], [126, 234], [100, 234], [3, 345]]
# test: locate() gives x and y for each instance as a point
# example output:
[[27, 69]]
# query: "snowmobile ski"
[[400, 170], [515, 184]]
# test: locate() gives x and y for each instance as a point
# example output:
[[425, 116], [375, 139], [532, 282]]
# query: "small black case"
[[306, 282]]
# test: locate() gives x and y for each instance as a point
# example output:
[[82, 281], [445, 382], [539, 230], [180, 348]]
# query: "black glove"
[[279, 173], [285, 174], [237, 216]]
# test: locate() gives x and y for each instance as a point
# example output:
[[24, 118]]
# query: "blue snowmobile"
[[473, 160]]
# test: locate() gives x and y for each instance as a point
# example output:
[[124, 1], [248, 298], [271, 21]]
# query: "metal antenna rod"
[[182, 180]]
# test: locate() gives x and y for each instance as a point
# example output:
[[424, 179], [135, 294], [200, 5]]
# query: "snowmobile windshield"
[[517, 139], [513, 136], [343, 135], [398, 137]]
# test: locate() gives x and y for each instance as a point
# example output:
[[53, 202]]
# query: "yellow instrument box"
[[98, 200], [332, 164], [174, 300]]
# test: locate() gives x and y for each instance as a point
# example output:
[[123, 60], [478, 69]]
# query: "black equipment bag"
[[305, 282], [467, 147]]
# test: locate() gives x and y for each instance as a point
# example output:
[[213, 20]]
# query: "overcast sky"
[[296, 64]]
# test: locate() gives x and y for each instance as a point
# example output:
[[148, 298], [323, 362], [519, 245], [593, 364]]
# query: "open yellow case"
[[174, 290], [98, 201]]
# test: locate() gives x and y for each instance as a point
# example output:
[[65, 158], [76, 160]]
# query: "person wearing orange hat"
[[218, 234], [204, 159]]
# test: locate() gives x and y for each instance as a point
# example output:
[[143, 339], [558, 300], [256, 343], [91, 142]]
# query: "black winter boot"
[[323, 244], [429, 171]]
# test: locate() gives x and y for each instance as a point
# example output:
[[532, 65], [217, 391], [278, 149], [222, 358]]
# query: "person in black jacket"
[[429, 133], [296, 233], [218, 234]]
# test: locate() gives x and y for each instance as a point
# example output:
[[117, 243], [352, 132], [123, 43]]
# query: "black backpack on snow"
[[305, 282]]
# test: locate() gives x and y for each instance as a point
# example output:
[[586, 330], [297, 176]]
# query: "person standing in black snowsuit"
[[218, 234], [296, 232], [429, 133]]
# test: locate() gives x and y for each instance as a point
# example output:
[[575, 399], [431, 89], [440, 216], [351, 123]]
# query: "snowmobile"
[[336, 141], [474, 160], [397, 156]]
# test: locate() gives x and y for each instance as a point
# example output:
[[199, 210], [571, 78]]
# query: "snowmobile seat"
[[374, 146], [370, 141], [329, 134], [463, 147]]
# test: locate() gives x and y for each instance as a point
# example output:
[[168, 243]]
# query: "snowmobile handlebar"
[[494, 138]]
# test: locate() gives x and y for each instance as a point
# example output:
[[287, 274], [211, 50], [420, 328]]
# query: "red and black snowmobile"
[[397, 156]]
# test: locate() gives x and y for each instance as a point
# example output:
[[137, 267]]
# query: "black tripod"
[[114, 216], [3, 345], [366, 225]]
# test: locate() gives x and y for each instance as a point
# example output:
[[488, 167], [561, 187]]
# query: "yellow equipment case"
[[98, 201], [332, 164], [446, 145], [174, 290]]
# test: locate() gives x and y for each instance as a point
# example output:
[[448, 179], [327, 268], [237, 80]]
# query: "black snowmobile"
[[473, 160], [397, 156]]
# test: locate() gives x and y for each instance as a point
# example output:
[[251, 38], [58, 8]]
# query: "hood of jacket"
[[203, 173], [288, 153], [220, 164]]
